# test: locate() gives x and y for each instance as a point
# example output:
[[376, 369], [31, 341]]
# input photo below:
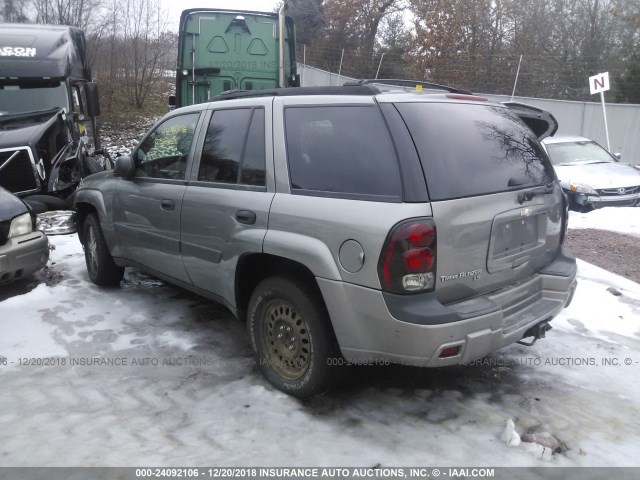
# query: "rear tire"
[[292, 338], [102, 269]]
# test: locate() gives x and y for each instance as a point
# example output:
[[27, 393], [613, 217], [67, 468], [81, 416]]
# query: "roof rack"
[[356, 87], [407, 83], [297, 91]]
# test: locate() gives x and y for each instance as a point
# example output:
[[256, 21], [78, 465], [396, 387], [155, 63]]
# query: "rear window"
[[341, 151], [468, 150]]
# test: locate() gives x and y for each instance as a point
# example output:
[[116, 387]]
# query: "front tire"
[[292, 338], [102, 269]]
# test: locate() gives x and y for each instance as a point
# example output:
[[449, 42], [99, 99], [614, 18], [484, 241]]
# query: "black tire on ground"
[[91, 166], [51, 202], [102, 269], [108, 161], [585, 208], [292, 338], [36, 207]]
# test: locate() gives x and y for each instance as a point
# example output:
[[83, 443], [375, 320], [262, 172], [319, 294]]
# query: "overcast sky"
[[175, 7]]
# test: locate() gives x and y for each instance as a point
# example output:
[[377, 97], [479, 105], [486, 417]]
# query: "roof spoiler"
[[542, 122]]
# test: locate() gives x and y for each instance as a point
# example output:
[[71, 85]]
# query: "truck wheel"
[[100, 265], [92, 166], [292, 338]]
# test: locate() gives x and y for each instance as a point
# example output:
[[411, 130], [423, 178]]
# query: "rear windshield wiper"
[[530, 194]]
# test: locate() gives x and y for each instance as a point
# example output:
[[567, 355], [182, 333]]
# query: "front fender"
[[89, 200]]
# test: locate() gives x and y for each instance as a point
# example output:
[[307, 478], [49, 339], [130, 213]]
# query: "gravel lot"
[[615, 252]]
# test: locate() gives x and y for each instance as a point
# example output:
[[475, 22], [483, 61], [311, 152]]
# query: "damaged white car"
[[590, 175], [23, 249]]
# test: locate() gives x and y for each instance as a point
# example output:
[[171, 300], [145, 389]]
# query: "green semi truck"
[[222, 50]]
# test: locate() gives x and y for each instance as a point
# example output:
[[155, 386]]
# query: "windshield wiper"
[[582, 162], [530, 194]]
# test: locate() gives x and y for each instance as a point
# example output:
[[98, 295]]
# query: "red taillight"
[[418, 260], [408, 259], [449, 352], [420, 235]]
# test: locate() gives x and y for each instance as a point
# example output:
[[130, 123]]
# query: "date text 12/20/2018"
[[312, 472]]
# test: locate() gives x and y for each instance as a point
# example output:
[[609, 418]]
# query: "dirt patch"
[[615, 252], [122, 125], [119, 138]]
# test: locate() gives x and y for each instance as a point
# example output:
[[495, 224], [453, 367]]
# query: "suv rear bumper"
[[368, 331]]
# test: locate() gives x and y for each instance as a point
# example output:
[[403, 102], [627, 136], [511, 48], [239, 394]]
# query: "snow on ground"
[[616, 219], [182, 387]]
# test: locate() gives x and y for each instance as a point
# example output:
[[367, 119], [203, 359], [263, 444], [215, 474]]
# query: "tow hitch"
[[537, 331]]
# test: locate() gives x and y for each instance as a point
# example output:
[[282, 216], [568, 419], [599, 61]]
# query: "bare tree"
[[76, 13], [147, 44], [309, 18], [12, 11], [355, 25]]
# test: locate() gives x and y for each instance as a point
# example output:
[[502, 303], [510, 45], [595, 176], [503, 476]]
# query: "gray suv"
[[345, 224]]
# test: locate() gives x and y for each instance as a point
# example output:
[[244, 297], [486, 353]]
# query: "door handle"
[[167, 204], [246, 216]]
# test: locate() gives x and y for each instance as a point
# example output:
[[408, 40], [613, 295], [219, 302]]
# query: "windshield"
[[578, 152], [20, 98]]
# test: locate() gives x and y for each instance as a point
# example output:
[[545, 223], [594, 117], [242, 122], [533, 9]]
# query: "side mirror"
[[125, 167], [618, 156], [92, 105], [172, 102]]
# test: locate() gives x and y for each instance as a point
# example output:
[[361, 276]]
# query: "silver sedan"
[[590, 175]]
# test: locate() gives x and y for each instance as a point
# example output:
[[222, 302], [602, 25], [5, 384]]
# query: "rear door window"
[[341, 151], [234, 149], [254, 161], [468, 150], [223, 145]]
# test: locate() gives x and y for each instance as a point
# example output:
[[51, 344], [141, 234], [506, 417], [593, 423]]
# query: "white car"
[[23, 248], [590, 175]]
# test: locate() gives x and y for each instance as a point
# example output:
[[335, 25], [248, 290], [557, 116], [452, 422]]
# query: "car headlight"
[[21, 225], [582, 188]]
